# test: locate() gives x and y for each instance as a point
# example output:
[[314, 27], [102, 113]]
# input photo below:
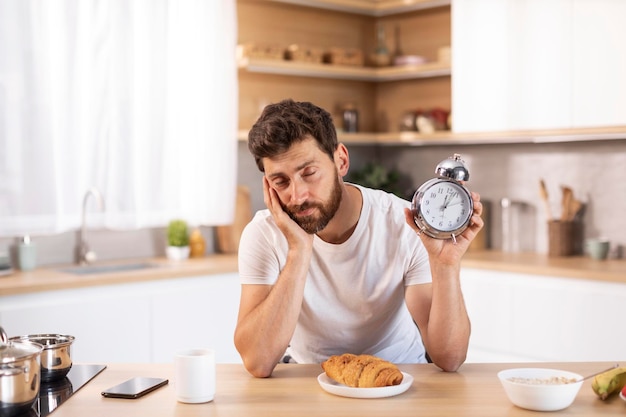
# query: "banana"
[[609, 382]]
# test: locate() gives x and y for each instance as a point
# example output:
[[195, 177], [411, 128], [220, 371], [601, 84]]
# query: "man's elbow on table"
[[258, 369], [450, 362], [256, 364]]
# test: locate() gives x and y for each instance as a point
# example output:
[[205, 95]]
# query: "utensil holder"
[[565, 238]]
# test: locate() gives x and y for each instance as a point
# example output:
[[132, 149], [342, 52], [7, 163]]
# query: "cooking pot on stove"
[[56, 358], [20, 375]]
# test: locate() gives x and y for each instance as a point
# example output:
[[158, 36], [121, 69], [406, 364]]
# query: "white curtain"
[[135, 97]]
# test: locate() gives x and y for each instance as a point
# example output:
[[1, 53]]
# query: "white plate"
[[336, 388], [622, 396]]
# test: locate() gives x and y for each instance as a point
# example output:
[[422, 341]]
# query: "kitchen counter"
[[578, 267], [52, 278], [293, 390]]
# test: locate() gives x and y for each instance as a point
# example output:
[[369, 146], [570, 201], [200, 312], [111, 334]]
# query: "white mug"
[[194, 375]]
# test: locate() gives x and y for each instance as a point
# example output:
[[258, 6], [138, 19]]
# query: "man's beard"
[[312, 224]]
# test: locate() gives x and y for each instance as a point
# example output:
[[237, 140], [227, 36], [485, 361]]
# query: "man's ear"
[[342, 159]]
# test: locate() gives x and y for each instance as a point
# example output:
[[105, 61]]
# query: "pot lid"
[[10, 351], [14, 351]]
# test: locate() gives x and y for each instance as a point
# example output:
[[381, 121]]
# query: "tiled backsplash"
[[594, 170]]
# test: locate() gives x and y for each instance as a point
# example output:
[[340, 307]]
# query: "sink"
[[107, 269]]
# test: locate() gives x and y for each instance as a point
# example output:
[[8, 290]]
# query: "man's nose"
[[299, 192]]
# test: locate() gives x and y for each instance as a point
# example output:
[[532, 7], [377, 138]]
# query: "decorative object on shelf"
[[407, 123], [350, 118], [375, 175], [425, 121], [409, 60], [381, 56], [260, 51], [398, 51], [442, 206], [398, 56], [444, 54], [344, 56], [197, 244], [424, 124], [177, 240], [303, 53]]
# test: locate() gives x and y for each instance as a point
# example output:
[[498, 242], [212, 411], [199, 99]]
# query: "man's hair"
[[287, 122]]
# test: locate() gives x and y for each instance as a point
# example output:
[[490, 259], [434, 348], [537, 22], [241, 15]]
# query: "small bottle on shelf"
[[381, 56]]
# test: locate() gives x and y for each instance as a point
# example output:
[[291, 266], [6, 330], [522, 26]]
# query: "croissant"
[[363, 371]]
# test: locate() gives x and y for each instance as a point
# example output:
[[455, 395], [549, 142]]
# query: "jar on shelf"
[[350, 118]]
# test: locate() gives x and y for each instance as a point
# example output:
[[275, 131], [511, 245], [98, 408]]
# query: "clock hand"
[[445, 203]]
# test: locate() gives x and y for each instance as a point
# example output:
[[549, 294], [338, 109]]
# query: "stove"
[[54, 393]]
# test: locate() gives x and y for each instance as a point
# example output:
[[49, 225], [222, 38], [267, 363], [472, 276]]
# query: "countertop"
[[578, 267], [52, 278], [293, 390]]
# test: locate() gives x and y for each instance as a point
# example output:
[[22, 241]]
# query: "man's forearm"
[[448, 324], [265, 332]]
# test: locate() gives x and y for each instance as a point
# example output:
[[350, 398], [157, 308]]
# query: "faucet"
[[83, 254]]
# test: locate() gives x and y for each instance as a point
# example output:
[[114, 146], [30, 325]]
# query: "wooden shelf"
[[370, 7], [344, 72], [479, 138]]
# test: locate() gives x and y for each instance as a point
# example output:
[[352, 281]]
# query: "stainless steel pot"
[[20, 375], [56, 358]]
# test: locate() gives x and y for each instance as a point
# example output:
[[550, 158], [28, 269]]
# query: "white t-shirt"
[[354, 293]]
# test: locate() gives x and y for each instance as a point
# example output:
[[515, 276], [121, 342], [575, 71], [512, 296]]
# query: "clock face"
[[442, 208]]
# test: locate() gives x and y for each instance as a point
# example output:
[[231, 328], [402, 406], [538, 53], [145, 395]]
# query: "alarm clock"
[[442, 207]]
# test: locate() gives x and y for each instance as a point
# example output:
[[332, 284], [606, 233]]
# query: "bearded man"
[[332, 267]]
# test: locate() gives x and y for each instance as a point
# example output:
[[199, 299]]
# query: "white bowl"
[[532, 395]]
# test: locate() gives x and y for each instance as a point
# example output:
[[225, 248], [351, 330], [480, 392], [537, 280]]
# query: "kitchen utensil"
[[20, 375], [443, 207], [566, 203], [575, 209], [598, 373], [56, 360], [543, 192]]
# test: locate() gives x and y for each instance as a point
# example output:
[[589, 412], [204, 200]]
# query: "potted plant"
[[177, 240], [375, 175]]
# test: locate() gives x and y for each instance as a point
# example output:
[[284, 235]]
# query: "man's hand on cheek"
[[295, 235]]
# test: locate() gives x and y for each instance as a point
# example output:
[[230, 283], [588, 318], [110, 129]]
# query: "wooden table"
[[293, 391]]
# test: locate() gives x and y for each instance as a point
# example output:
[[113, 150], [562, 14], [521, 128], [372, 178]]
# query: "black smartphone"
[[134, 387]]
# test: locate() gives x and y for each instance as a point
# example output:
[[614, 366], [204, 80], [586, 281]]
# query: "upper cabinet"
[[538, 65]]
